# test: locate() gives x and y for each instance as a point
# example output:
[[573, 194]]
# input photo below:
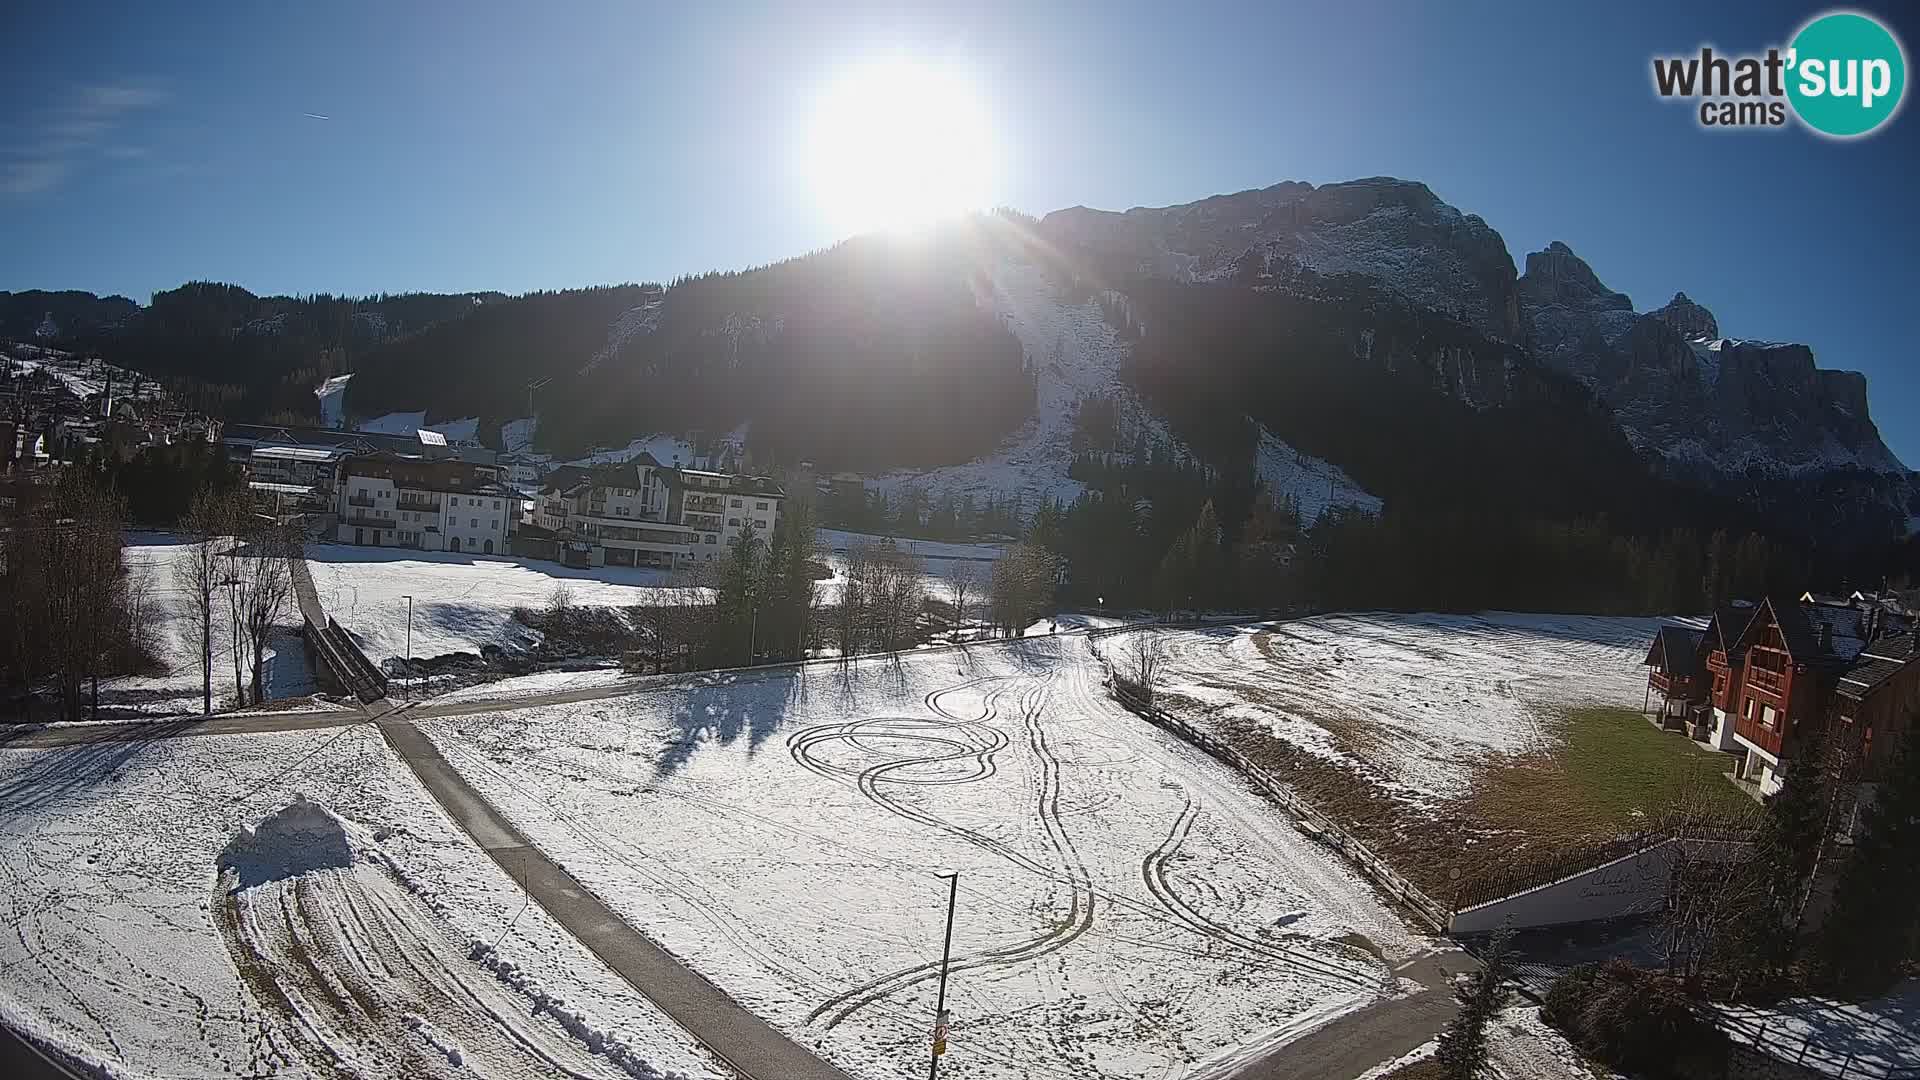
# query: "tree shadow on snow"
[[61, 772]]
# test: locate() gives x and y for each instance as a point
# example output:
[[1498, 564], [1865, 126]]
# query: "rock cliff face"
[[1758, 420], [1395, 231], [1755, 419]]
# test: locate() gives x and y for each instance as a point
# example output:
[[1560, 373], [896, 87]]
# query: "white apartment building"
[[385, 500], [642, 513]]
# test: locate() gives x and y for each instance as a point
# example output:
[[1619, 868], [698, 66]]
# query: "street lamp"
[[946, 958], [409, 598]]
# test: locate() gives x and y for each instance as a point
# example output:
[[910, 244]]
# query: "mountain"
[[1757, 422], [40, 315], [1359, 344], [1754, 419]]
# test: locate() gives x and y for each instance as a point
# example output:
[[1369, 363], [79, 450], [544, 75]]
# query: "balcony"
[[1772, 683], [430, 506], [367, 521], [360, 500]]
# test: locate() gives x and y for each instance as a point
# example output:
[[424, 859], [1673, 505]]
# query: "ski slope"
[[144, 937], [1079, 355], [1126, 907]]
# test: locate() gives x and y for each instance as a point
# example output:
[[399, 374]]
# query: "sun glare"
[[898, 144]]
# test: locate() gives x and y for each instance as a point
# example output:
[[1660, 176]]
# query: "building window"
[[496, 504], [760, 506], [733, 522], [736, 502], [710, 538]]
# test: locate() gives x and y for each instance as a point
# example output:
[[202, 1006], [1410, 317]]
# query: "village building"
[[385, 500], [642, 513], [1784, 679]]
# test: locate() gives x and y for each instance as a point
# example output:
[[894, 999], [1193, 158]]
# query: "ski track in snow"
[[111, 915], [1127, 907]]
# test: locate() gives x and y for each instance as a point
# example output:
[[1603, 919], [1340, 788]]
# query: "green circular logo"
[[1846, 74]]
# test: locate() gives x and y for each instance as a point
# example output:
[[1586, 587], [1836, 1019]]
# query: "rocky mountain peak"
[[1395, 231], [1557, 277], [1688, 319]]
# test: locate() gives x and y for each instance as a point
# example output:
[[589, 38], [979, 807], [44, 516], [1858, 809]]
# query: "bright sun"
[[899, 144]]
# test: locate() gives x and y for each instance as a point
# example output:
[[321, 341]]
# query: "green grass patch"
[[1616, 762], [1613, 772]]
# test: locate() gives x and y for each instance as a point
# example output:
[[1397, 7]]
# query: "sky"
[[361, 148]]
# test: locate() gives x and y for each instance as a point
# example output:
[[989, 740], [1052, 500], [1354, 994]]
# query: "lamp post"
[[409, 597], [946, 958]]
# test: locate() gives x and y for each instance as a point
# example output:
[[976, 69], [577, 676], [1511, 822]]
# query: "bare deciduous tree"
[[200, 572], [1142, 656], [962, 580], [260, 587]]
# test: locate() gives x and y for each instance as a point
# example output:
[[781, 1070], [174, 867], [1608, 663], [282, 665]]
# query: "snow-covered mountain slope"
[[1313, 485], [1079, 355], [1395, 231]]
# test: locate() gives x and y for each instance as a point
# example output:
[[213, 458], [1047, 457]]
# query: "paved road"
[[743, 1040], [1366, 1037], [136, 730]]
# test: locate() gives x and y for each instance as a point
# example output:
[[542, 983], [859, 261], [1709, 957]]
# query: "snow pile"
[[292, 840], [90, 915]]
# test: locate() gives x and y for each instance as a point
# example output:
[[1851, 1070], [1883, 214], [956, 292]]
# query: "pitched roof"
[[1817, 634], [1880, 662], [1677, 649], [1728, 625]]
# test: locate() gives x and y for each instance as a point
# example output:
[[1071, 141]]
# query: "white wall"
[[1632, 885]]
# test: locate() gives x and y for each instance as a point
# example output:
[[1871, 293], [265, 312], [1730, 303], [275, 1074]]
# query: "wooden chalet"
[[1677, 673], [1726, 669], [1795, 656]]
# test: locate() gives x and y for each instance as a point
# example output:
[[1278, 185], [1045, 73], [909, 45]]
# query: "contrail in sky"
[[316, 116]]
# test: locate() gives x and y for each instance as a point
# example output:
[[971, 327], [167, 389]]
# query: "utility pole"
[[946, 958], [409, 645]]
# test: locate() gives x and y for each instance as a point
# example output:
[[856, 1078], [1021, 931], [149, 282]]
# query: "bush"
[[1635, 1021]]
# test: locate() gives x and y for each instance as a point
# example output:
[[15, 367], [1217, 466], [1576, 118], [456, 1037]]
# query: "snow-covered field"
[[1416, 701], [1126, 907], [125, 946], [176, 639], [940, 561], [460, 602]]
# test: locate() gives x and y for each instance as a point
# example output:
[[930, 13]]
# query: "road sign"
[[940, 1034]]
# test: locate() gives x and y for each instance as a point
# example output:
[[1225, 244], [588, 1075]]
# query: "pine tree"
[[1463, 1046]]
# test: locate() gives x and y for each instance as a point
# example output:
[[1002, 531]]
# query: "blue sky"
[[523, 146]]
